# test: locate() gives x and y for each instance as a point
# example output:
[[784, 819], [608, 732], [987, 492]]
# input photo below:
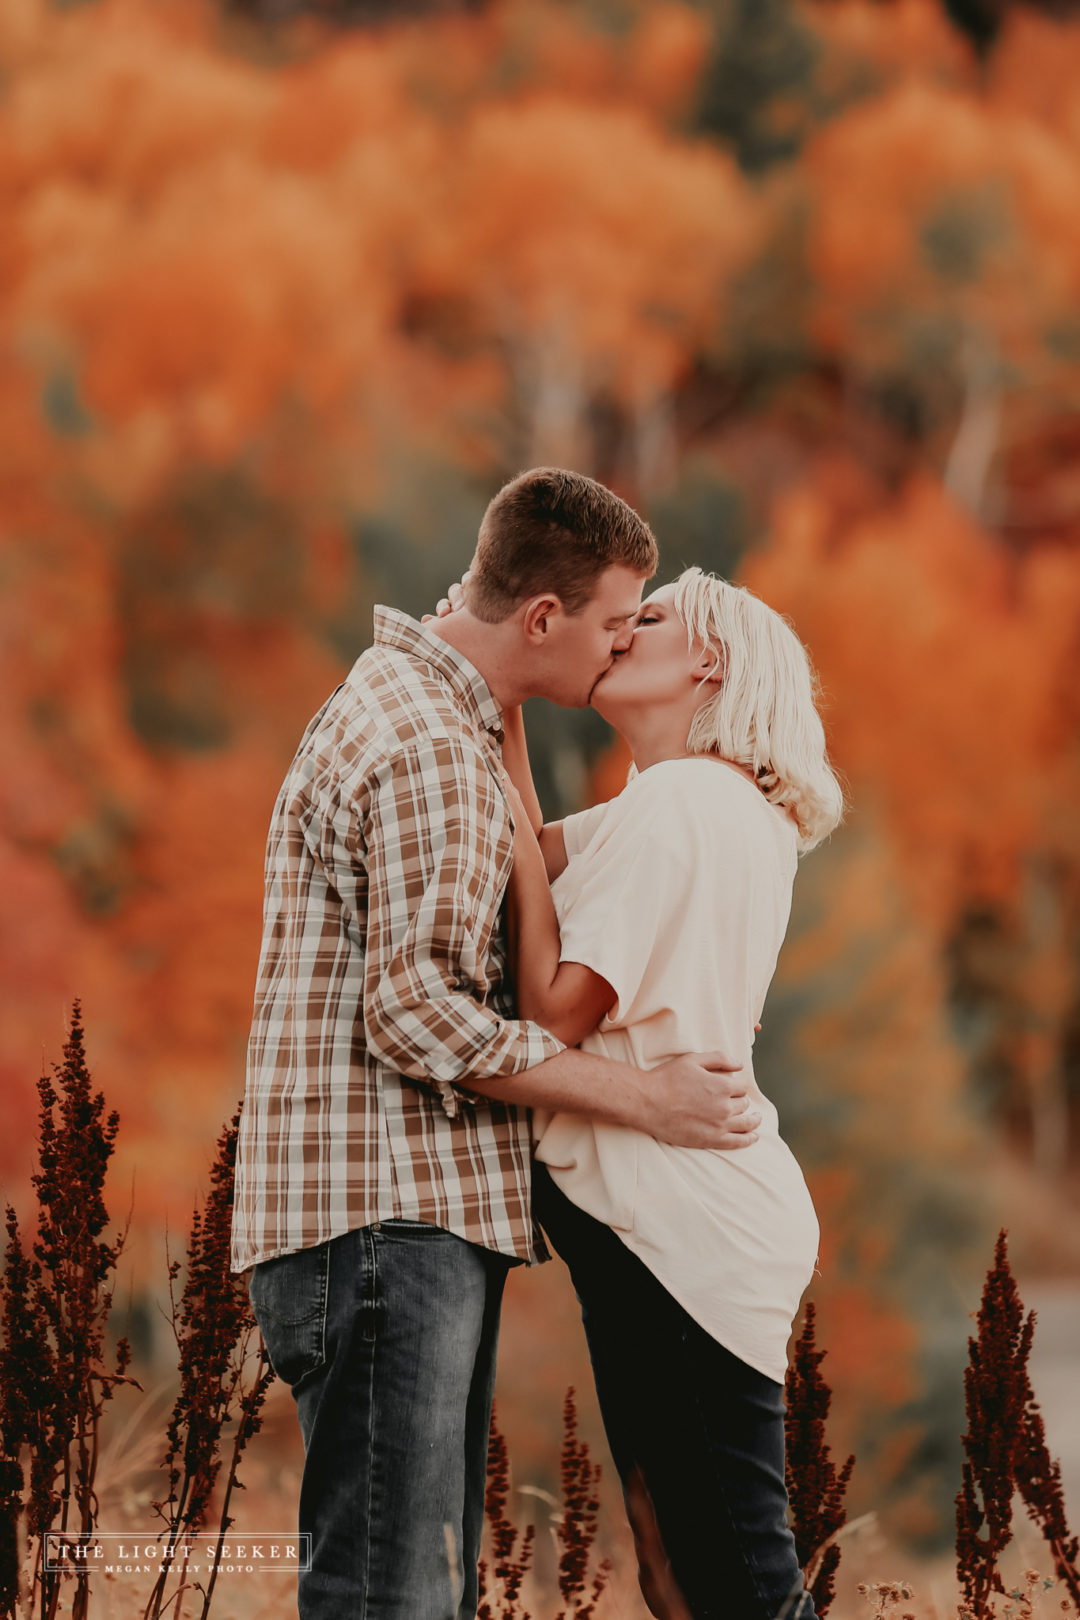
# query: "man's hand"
[[699, 1100]]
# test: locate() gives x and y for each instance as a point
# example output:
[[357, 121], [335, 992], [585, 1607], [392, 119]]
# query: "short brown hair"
[[553, 530]]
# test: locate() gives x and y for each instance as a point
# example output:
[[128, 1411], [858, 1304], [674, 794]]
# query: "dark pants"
[[698, 1428], [388, 1337]]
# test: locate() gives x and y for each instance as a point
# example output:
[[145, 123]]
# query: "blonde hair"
[[764, 714]]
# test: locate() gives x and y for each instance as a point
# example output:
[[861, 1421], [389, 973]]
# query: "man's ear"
[[537, 616]]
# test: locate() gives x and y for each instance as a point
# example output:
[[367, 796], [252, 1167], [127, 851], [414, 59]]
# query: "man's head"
[[563, 559]]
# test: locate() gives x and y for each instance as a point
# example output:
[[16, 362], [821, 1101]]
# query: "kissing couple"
[[469, 1025]]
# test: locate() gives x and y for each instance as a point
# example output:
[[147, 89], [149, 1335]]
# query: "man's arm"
[[690, 1101], [432, 899], [428, 835]]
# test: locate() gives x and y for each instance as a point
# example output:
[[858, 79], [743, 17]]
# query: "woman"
[[645, 927]]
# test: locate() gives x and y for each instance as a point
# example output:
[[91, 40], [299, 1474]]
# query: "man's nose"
[[623, 639]]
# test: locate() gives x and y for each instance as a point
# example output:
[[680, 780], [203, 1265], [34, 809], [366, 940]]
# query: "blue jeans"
[[388, 1337], [697, 1436]]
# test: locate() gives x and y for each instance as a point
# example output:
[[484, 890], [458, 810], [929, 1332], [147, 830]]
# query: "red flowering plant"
[[1005, 1449], [225, 1373], [576, 1526], [509, 1563], [54, 1303], [816, 1489]]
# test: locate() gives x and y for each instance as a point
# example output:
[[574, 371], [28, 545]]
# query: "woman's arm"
[[515, 753], [566, 998]]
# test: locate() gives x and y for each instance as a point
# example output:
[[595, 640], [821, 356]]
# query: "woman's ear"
[[710, 666]]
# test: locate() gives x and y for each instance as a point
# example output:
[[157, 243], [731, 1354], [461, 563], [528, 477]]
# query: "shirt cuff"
[[537, 1046]]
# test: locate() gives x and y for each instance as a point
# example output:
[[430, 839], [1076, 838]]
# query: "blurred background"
[[287, 292]]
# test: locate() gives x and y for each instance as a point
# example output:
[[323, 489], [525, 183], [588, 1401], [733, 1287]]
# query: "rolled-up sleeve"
[[435, 832]]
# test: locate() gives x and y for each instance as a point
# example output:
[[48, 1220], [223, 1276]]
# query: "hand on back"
[[700, 1100]]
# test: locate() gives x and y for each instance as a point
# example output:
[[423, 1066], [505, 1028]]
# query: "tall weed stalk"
[[54, 1382], [224, 1377], [1005, 1449], [816, 1488], [576, 1523]]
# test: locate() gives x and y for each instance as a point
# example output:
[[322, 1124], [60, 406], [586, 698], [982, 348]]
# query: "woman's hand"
[[451, 602]]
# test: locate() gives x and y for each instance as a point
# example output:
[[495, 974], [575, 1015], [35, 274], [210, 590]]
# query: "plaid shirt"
[[380, 989]]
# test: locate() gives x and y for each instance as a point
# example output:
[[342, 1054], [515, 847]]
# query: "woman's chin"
[[605, 703], [608, 696]]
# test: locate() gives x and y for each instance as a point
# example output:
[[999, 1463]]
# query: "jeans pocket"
[[288, 1296]]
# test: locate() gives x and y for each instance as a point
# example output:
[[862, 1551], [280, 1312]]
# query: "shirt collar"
[[396, 629]]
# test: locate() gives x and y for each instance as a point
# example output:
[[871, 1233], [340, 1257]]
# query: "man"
[[382, 1187]]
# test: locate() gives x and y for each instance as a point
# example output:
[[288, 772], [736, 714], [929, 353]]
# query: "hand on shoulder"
[[452, 602]]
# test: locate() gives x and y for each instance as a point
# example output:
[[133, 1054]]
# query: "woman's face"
[[658, 668]]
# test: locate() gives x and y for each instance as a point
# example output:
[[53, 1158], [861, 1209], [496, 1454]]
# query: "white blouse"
[[678, 892]]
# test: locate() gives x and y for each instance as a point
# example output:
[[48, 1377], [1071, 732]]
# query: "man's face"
[[659, 667], [581, 647]]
